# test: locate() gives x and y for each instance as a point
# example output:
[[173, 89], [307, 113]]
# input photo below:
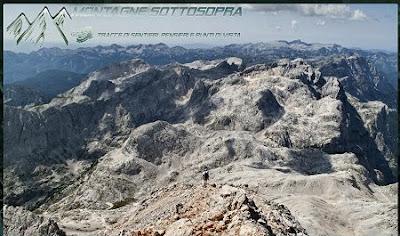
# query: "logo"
[[83, 35], [37, 31]]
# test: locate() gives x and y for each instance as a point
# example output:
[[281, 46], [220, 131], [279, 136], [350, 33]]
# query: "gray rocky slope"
[[291, 148]]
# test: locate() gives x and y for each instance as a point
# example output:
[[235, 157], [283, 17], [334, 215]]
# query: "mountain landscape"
[[20, 66], [298, 139]]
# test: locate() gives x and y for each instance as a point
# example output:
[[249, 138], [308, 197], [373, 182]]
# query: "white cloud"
[[328, 10], [334, 11], [293, 24], [358, 15], [321, 22]]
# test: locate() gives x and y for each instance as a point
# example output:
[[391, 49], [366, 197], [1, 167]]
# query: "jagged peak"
[[209, 64], [298, 41]]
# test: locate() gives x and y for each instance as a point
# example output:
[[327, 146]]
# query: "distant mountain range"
[[57, 64], [19, 66]]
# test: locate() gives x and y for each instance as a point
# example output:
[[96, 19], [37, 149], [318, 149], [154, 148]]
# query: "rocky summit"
[[292, 146]]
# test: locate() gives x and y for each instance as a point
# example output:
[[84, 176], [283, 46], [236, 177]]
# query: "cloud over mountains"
[[333, 11]]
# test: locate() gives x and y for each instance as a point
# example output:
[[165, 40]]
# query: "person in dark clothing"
[[206, 176]]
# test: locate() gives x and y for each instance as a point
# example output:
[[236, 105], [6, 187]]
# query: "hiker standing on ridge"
[[206, 176]]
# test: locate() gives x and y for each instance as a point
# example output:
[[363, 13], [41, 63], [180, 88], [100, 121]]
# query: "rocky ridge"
[[211, 210]]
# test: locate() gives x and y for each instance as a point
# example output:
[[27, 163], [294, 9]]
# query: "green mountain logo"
[[36, 31]]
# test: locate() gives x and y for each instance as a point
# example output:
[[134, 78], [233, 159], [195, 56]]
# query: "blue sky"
[[367, 26]]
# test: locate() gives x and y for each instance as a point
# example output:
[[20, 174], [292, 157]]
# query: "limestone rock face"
[[286, 144], [18, 221]]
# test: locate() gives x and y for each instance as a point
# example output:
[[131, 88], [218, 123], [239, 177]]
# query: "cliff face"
[[100, 157]]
